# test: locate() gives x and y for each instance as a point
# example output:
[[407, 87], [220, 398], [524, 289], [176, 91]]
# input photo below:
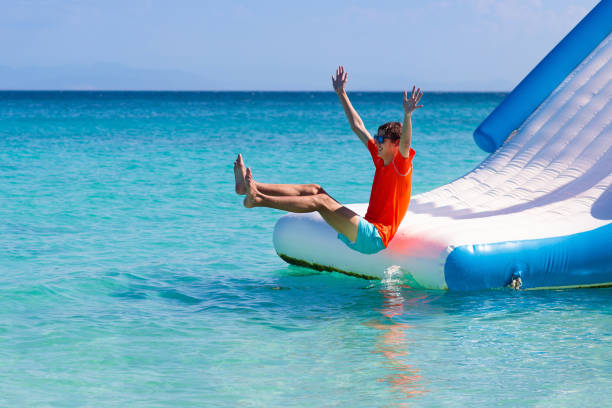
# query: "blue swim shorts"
[[368, 239]]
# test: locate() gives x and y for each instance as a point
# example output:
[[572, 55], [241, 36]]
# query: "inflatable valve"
[[516, 282]]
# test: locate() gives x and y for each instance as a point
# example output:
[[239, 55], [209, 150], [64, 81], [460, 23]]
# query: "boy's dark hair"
[[392, 130]]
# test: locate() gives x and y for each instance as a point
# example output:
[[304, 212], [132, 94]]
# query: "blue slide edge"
[[545, 78], [582, 259]]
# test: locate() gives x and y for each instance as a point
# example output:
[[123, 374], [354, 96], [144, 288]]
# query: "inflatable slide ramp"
[[537, 212]]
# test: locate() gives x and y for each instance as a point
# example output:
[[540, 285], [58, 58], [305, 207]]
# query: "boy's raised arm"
[[351, 114], [410, 105]]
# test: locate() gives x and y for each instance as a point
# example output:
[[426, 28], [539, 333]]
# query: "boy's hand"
[[411, 104], [340, 81]]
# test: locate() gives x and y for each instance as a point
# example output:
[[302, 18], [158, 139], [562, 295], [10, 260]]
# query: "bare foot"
[[239, 173], [251, 190]]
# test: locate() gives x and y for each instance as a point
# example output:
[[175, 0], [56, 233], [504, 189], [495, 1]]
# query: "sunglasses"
[[380, 139]]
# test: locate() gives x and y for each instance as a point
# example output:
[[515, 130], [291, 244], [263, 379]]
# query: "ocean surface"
[[131, 274]]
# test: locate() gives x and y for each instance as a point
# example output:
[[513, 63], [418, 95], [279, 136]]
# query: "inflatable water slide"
[[536, 213]]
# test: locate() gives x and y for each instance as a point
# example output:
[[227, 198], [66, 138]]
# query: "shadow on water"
[[469, 326], [402, 328], [413, 323], [295, 291]]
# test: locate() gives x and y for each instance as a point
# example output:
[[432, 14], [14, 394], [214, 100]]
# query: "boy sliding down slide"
[[390, 195]]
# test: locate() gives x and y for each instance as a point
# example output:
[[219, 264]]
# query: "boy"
[[390, 195]]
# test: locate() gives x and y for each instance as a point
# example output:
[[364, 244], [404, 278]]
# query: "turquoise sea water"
[[131, 275]]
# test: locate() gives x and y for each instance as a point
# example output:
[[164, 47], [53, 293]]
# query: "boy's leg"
[[273, 189], [289, 189], [342, 219]]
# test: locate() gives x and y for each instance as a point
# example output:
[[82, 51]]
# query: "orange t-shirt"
[[390, 193]]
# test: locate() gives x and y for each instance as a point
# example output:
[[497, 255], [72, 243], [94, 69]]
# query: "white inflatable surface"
[[551, 178]]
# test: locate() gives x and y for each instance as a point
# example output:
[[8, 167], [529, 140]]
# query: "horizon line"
[[240, 90]]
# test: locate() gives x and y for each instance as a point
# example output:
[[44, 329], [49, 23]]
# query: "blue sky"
[[278, 45]]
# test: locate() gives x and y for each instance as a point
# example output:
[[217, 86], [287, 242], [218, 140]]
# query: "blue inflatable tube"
[[577, 260], [545, 78]]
